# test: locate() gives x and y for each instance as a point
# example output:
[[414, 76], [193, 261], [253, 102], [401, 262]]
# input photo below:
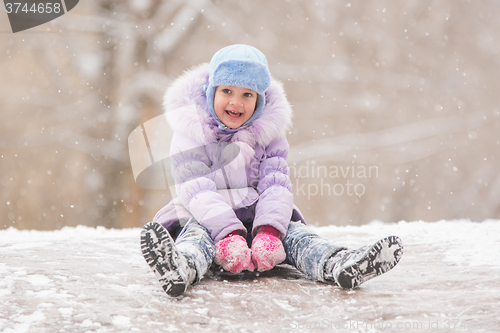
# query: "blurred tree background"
[[397, 113]]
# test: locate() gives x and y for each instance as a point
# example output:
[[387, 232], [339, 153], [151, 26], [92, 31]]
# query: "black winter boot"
[[350, 268], [174, 270]]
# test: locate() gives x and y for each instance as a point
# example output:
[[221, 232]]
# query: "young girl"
[[234, 205]]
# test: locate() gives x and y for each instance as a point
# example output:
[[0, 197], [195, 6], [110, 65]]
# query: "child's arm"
[[275, 204]]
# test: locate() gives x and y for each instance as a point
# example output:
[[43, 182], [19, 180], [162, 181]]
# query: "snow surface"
[[95, 280]]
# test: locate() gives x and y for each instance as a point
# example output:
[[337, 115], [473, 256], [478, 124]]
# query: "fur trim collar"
[[186, 110]]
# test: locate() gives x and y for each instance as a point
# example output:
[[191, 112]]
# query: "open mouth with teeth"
[[233, 114]]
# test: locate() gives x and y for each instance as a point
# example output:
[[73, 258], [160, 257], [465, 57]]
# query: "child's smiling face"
[[234, 105]]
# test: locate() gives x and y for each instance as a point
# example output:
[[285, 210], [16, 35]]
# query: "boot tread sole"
[[158, 251]]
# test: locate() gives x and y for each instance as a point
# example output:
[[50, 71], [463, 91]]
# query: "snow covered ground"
[[95, 280]]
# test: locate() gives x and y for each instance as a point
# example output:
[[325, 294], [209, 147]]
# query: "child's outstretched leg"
[[181, 263], [307, 251], [323, 261]]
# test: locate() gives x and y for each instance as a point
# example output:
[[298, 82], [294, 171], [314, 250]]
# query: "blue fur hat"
[[240, 66]]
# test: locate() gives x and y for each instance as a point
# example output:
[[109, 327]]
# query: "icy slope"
[[84, 279]]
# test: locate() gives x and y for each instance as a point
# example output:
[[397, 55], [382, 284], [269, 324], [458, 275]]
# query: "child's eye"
[[248, 94], [226, 91]]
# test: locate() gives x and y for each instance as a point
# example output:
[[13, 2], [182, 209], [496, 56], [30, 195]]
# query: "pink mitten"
[[233, 254], [267, 249]]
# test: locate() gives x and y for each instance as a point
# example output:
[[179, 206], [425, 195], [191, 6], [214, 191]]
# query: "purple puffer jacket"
[[254, 186]]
